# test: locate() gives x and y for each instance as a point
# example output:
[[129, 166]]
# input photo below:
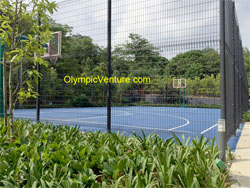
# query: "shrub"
[[43, 155], [79, 101], [246, 116], [126, 100]]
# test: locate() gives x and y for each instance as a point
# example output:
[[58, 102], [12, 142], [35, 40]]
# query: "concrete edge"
[[241, 180]]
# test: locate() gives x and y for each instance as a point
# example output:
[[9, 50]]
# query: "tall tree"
[[19, 18], [143, 57], [195, 63]]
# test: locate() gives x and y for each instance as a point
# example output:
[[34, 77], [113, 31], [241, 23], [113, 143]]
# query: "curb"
[[240, 169]]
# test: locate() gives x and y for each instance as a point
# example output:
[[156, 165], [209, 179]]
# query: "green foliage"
[[246, 116], [19, 19], [195, 63], [79, 101], [23, 35], [138, 57], [207, 86], [230, 154], [44, 155], [247, 62]]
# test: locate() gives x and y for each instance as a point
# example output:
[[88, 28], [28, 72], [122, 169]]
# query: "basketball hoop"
[[179, 83], [52, 50], [53, 60]]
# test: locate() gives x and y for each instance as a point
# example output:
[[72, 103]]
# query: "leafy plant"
[[18, 32], [80, 101], [44, 155], [230, 155], [246, 116]]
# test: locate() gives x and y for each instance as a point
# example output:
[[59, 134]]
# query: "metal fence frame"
[[234, 84]]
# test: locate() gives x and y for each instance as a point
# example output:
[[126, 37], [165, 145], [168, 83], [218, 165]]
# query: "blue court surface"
[[158, 120]]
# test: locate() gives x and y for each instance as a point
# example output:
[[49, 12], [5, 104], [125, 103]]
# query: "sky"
[[164, 25], [243, 11]]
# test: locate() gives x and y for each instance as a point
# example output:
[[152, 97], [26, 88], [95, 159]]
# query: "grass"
[[44, 155]]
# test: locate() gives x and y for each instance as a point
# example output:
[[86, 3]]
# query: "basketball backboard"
[[53, 47], [179, 83]]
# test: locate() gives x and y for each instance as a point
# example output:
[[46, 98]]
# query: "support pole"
[[183, 105], [20, 76], [222, 122], [1, 82], [3, 85], [5, 96], [234, 67], [109, 66], [38, 84]]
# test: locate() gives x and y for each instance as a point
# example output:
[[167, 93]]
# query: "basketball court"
[[159, 120]]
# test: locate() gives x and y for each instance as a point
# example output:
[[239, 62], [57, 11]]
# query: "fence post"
[[234, 62], [109, 66], [222, 122], [38, 84]]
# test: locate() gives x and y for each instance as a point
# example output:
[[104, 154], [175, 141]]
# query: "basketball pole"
[[183, 105]]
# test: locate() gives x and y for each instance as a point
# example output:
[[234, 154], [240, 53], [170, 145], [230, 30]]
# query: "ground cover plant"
[[44, 155], [246, 116]]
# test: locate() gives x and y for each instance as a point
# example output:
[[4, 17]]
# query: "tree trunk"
[[11, 98], [5, 90], [13, 46]]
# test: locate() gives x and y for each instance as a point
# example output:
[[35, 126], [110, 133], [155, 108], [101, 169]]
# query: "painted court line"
[[203, 132], [184, 125], [123, 112], [96, 117], [52, 111], [140, 127], [73, 120], [116, 125]]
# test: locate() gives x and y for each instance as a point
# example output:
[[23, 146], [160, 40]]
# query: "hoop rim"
[[53, 59]]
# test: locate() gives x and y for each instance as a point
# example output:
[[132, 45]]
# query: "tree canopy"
[[195, 63], [136, 57], [23, 37]]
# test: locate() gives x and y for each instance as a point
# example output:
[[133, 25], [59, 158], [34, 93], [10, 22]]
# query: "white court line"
[[73, 120], [117, 125], [125, 110], [203, 132], [89, 111], [130, 126], [96, 117], [141, 127], [184, 125], [20, 113]]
